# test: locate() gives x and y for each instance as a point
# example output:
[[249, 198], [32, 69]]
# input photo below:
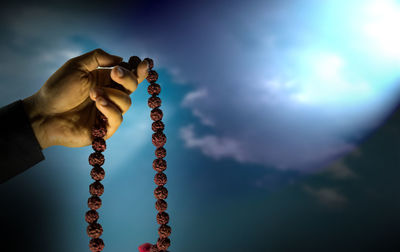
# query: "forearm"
[[19, 148]]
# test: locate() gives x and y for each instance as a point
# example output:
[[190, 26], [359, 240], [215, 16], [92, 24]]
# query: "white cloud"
[[193, 97], [211, 145]]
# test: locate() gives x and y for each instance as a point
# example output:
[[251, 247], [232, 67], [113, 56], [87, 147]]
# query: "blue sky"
[[262, 101]]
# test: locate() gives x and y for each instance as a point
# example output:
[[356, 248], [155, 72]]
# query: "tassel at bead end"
[[145, 247]]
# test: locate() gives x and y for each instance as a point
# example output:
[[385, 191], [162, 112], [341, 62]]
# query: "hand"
[[63, 111]]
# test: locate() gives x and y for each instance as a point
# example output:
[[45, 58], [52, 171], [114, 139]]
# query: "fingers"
[[91, 60], [113, 114], [124, 77], [130, 79], [120, 99], [142, 71]]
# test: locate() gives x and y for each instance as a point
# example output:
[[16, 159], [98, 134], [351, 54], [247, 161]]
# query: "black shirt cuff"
[[19, 147]]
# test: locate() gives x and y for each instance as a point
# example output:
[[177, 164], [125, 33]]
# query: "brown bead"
[[91, 216], [160, 179], [96, 188], [159, 164], [158, 139], [125, 65], [94, 202], [161, 205], [157, 126], [134, 61], [161, 192], [161, 152], [154, 248], [164, 231], [96, 244], [154, 89], [162, 218], [156, 114], [154, 102], [152, 76], [151, 63], [97, 173], [99, 131], [163, 243], [96, 158], [99, 144], [94, 230]]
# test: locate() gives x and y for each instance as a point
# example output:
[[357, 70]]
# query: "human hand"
[[63, 110]]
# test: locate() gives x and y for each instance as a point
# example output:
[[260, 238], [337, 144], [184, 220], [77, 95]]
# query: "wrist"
[[36, 120]]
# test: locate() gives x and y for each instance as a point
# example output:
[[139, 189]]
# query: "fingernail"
[[93, 93], [102, 101], [120, 72], [148, 65]]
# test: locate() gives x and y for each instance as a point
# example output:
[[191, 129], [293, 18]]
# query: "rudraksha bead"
[[154, 89], [157, 126], [94, 230], [152, 76], [99, 144], [97, 173], [162, 218], [161, 192], [163, 243], [158, 139], [96, 188], [156, 114], [154, 248], [159, 164], [161, 205], [96, 158], [99, 131], [91, 216], [96, 244], [151, 63], [94, 202], [164, 231], [134, 61], [154, 102], [160, 178], [161, 152]]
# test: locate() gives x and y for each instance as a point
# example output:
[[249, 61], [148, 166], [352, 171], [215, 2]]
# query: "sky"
[[281, 119]]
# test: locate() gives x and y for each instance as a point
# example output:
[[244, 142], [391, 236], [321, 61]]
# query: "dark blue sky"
[[280, 117]]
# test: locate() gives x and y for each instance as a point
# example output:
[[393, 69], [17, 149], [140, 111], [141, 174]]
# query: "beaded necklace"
[[96, 159]]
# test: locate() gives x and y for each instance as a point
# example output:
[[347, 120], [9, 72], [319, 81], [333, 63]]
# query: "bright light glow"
[[382, 26], [326, 80]]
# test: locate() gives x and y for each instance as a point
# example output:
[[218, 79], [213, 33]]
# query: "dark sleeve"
[[19, 147]]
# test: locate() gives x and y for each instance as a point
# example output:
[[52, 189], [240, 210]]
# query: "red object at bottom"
[[145, 247]]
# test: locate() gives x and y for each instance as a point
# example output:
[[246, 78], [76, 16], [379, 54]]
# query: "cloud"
[[211, 145], [328, 197]]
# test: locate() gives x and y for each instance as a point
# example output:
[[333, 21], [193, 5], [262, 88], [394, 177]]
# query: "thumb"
[[93, 59]]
